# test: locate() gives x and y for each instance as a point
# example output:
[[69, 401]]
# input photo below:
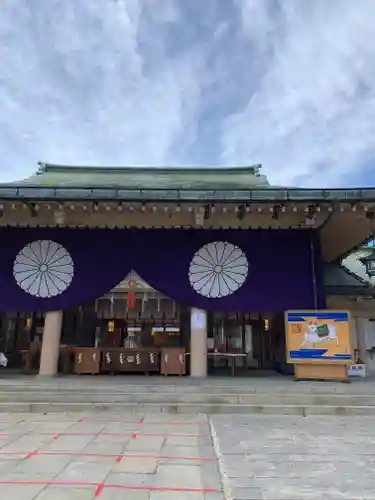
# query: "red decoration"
[[131, 294]]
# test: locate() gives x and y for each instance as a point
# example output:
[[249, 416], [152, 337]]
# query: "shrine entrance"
[[135, 329]]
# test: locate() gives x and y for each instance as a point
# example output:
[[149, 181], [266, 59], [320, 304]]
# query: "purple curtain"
[[257, 270]]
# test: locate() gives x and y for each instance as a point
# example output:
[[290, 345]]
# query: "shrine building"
[[171, 270]]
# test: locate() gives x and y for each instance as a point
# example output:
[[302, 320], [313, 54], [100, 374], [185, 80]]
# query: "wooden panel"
[[119, 308], [87, 360], [86, 330], [131, 360], [66, 359], [321, 372], [104, 308], [173, 361]]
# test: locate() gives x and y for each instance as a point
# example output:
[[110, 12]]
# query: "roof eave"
[[10, 192], [352, 291]]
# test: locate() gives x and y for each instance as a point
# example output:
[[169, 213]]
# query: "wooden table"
[[228, 355]]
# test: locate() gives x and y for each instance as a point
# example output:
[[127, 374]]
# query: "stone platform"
[[273, 395]]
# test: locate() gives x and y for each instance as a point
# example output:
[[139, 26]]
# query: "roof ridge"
[[50, 167]]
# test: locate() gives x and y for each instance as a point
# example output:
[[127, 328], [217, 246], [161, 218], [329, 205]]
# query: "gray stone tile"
[[181, 441], [104, 449], [145, 443], [68, 443], [118, 494], [85, 427], [66, 493], [84, 471], [27, 443], [248, 493], [181, 419], [189, 451], [124, 427], [105, 439], [33, 476], [179, 476], [19, 492], [179, 495], [8, 465], [12, 457], [130, 479], [136, 465], [42, 464], [45, 427]]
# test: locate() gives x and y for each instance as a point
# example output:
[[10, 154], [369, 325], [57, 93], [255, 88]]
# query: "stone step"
[[238, 385], [191, 408], [301, 388], [169, 398]]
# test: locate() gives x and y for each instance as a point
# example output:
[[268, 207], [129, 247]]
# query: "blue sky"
[[290, 85]]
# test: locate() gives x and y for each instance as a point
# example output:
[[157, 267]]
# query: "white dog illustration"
[[312, 335]]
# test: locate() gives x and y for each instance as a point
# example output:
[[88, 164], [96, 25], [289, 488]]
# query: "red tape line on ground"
[[99, 490], [147, 434], [106, 455], [87, 421], [84, 420], [100, 487]]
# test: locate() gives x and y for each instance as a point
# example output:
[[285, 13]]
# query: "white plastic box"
[[357, 370]]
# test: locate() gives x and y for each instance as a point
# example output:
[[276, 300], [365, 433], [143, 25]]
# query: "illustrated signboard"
[[318, 337]]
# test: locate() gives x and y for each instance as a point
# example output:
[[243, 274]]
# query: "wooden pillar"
[[198, 343], [51, 343]]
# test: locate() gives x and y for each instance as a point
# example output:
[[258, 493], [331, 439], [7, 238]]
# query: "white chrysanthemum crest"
[[43, 268], [218, 269]]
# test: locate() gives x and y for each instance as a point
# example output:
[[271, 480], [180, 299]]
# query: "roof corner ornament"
[[41, 167], [257, 169]]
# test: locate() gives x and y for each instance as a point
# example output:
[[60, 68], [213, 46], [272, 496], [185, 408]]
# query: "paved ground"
[[61, 457], [297, 458], [168, 457]]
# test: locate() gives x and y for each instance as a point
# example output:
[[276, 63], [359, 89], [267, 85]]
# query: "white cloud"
[[311, 116], [76, 88], [289, 84]]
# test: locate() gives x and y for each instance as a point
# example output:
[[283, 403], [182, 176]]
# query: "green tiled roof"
[[55, 176], [204, 184], [339, 280]]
